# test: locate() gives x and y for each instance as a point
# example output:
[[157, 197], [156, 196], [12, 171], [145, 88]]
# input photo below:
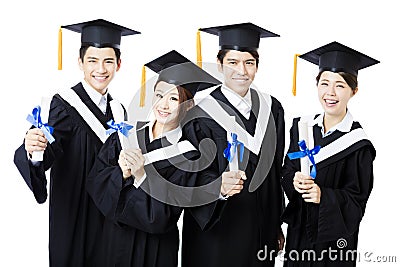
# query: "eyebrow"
[[234, 59], [336, 81], [108, 58]]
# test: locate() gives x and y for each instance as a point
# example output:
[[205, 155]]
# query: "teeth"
[[331, 101]]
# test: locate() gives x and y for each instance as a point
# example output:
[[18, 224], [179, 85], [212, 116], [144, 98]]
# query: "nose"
[[242, 68], [101, 68], [331, 90], [163, 103]]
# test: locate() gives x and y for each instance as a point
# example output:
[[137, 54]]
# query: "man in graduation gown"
[[232, 231], [79, 117]]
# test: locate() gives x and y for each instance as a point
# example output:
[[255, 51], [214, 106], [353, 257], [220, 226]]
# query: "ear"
[[219, 65], [80, 63], [355, 91], [118, 65]]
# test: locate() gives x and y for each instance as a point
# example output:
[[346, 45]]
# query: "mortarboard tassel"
[[295, 74], [60, 49], [143, 88], [198, 48]]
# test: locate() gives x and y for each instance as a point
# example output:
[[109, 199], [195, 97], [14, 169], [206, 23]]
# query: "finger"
[[232, 181], [233, 192], [35, 131], [310, 200], [306, 181], [304, 187]]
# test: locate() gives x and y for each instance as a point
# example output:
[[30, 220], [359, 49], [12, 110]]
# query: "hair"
[[222, 54], [185, 100], [350, 79], [84, 48]]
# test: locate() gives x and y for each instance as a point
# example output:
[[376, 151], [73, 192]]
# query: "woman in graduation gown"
[[324, 213], [129, 186]]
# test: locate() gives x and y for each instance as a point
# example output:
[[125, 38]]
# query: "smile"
[[162, 113]]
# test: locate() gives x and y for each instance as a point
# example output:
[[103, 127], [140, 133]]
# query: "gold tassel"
[[60, 49], [295, 74], [143, 88], [198, 48]]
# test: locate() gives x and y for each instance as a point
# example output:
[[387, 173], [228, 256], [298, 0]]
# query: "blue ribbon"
[[120, 127], [36, 121], [230, 151], [306, 152]]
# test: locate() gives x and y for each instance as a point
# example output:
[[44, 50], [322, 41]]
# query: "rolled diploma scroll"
[[234, 164], [303, 135], [44, 115], [118, 114]]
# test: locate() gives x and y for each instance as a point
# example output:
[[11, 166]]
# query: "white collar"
[[343, 126], [172, 136], [95, 96], [242, 104]]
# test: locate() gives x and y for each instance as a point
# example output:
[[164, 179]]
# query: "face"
[[99, 66], [334, 94], [165, 105], [239, 69]]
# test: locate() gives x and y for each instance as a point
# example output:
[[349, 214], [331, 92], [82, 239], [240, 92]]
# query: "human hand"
[[305, 185], [35, 140], [135, 161], [281, 240], [123, 164], [232, 182]]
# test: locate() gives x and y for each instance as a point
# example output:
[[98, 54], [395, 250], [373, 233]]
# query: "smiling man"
[[246, 218], [79, 117]]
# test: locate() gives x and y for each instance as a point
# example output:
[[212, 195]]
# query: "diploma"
[[44, 117], [118, 114], [235, 148], [303, 135]]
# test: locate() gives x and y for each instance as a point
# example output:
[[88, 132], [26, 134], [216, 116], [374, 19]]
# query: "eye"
[[250, 63], [110, 61], [159, 96], [232, 62], [324, 84], [340, 86], [173, 98]]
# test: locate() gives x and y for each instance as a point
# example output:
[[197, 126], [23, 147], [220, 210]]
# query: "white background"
[[29, 70]]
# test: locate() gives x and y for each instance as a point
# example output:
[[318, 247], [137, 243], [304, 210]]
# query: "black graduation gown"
[[139, 230], [247, 222], [75, 222], [346, 181]]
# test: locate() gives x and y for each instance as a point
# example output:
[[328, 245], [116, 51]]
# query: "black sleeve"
[[34, 176], [341, 209]]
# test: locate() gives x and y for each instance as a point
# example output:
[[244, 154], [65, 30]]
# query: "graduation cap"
[[176, 69], [242, 37], [98, 33], [336, 57]]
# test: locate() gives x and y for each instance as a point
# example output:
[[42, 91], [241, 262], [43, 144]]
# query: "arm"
[[119, 200], [34, 174], [199, 131], [341, 209], [290, 167]]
